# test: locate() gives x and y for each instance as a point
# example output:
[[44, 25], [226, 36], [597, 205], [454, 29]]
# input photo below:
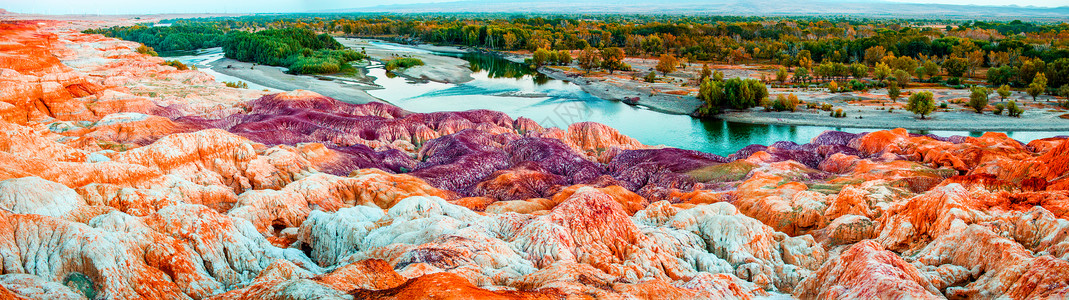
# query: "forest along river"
[[518, 91], [202, 57]]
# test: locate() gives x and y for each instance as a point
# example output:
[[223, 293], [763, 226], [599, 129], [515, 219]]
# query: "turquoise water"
[[555, 103]]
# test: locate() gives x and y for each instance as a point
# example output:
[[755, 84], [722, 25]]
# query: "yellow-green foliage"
[[403, 63]]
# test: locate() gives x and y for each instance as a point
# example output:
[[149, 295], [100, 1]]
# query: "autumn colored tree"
[[589, 58], [666, 64], [612, 59], [564, 57], [874, 55]]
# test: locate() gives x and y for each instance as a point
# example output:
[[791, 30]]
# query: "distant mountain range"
[[732, 7]]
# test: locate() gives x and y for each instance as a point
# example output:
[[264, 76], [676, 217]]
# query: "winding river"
[[518, 91]]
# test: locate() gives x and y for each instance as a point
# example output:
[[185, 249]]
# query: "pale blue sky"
[[251, 6]]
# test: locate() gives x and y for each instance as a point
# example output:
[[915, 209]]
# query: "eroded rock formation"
[[118, 184]]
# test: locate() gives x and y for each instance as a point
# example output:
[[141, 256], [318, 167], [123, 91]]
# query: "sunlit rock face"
[[124, 179]]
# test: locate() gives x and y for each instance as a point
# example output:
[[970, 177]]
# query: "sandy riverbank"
[[348, 90], [436, 68], [617, 91], [875, 110]]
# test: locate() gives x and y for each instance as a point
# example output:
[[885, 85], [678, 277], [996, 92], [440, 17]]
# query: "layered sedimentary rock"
[[121, 178]]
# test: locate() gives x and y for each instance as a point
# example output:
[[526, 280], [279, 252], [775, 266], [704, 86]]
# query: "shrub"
[[177, 64], [998, 109], [239, 84], [978, 99], [782, 103], [403, 63], [1014, 111], [147, 50], [825, 106], [651, 77], [838, 113], [954, 81], [857, 85]]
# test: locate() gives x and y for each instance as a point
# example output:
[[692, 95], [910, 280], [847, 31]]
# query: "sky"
[[281, 6]]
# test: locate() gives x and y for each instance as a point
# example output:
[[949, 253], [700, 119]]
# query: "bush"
[[825, 106], [857, 85], [1014, 111], [239, 84], [838, 113], [943, 105], [651, 77], [147, 50], [177, 64], [403, 63], [998, 109], [782, 103], [954, 81], [978, 99], [735, 93]]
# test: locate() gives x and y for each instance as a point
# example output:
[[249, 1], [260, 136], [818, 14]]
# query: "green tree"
[[859, 70], [881, 72], [666, 64], [706, 72], [930, 69], [653, 45], [589, 58], [781, 75], [902, 77], [1004, 91], [978, 99], [612, 58], [893, 91], [875, 54], [540, 57], [921, 103], [734, 93], [1038, 86], [801, 74], [651, 77], [564, 57], [1012, 109], [956, 67]]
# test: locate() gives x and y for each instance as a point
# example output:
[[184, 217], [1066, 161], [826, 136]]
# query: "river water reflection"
[[514, 89]]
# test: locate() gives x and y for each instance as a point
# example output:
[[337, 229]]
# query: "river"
[[518, 91]]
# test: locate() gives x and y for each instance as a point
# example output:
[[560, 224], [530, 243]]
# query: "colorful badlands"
[[124, 179]]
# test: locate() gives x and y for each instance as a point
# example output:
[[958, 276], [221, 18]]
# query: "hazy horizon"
[[298, 6]]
